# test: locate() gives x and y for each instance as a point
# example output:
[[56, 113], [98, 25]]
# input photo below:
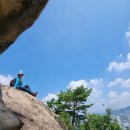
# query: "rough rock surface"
[[15, 17], [33, 113], [8, 120]]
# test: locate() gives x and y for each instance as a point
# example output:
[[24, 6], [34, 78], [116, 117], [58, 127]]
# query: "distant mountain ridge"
[[125, 110]]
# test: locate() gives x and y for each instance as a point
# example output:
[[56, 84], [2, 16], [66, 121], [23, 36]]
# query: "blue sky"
[[75, 42]]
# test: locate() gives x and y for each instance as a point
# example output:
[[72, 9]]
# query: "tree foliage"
[[72, 104], [100, 122]]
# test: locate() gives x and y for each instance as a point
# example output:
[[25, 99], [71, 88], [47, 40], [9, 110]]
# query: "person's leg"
[[28, 90], [31, 93], [27, 87], [22, 88]]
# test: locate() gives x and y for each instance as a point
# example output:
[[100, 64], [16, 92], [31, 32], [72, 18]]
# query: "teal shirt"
[[18, 83]]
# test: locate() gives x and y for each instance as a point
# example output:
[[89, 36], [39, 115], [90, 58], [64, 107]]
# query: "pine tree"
[[73, 104]]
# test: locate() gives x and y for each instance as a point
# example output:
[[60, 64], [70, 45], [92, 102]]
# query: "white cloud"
[[119, 66], [120, 56], [119, 82], [112, 94], [126, 83], [116, 82], [95, 97], [98, 97], [128, 57], [119, 100], [128, 35], [72, 85], [75, 84], [98, 106], [5, 79], [96, 83], [113, 99], [93, 83], [49, 97], [96, 93]]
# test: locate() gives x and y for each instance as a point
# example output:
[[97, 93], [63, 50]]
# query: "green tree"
[[100, 122], [72, 104]]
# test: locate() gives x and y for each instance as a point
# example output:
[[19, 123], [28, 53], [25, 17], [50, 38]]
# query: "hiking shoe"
[[35, 94]]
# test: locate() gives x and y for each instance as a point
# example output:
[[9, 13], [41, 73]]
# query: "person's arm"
[[16, 82]]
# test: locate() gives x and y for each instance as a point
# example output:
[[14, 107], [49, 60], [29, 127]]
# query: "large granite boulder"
[[27, 110], [15, 17]]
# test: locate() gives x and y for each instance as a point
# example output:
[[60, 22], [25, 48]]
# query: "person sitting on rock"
[[17, 83]]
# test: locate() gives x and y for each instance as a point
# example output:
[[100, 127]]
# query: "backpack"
[[12, 82]]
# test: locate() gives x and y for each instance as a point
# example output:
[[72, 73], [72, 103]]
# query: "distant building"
[[124, 121]]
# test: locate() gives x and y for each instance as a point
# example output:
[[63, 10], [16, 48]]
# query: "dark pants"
[[26, 89]]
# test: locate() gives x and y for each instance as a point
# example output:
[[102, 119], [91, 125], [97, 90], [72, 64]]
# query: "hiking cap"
[[20, 72]]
